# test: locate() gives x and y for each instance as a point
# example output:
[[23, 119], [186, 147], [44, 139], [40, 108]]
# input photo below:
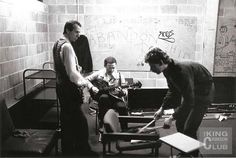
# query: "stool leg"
[[109, 147], [96, 122], [104, 148], [156, 151], [56, 148]]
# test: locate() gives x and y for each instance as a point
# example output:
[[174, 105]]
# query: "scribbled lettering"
[[167, 36], [132, 36]]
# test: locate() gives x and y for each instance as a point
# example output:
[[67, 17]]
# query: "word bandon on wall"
[[129, 37]]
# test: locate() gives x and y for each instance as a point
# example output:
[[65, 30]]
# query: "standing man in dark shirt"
[[69, 84], [190, 91]]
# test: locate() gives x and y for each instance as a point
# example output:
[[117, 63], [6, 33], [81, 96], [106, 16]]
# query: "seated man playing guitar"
[[111, 94]]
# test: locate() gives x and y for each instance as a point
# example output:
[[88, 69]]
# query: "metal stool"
[[94, 112]]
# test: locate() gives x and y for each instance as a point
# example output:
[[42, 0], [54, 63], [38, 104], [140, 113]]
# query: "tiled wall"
[[60, 11], [204, 10], [23, 44], [28, 29]]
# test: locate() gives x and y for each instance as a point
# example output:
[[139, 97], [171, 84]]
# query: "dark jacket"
[[189, 86], [82, 51]]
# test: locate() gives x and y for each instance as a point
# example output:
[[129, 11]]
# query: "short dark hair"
[[70, 25], [109, 60], [155, 55]]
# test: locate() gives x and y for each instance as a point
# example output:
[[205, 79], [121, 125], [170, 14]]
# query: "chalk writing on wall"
[[128, 38], [225, 56]]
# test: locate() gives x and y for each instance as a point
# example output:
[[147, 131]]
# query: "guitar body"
[[100, 84], [105, 88]]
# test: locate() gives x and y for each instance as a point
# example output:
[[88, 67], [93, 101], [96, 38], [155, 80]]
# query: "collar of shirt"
[[114, 74], [110, 78]]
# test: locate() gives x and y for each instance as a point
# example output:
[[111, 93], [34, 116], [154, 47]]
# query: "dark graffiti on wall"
[[128, 38], [167, 36]]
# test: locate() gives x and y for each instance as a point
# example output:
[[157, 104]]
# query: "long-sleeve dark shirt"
[[189, 85]]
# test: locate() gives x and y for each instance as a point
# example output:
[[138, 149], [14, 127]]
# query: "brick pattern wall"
[[62, 10], [209, 24], [28, 33], [23, 44]]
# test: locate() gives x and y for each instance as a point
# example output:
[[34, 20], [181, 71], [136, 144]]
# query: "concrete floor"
[[164, 150]]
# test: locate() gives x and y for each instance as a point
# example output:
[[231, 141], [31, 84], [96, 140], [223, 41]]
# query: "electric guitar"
[[112, 90]]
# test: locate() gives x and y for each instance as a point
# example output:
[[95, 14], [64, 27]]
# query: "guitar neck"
[[104, 86], [113, 87]]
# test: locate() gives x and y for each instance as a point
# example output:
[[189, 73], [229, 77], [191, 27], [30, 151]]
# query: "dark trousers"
[[191, 117], [107, 102], [74, 126], [190, 121]]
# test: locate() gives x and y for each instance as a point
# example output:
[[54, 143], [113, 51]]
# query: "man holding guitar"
[[110, 96]]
